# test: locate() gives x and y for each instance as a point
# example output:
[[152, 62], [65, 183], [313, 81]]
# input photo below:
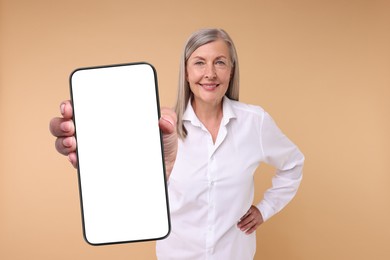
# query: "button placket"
[[211, 173], [211, 182]]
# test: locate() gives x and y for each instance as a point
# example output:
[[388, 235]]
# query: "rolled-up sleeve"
[[288, 160]]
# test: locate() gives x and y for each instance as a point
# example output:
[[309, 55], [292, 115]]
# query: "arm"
[[63, 129], [281, 153], [288, 160]]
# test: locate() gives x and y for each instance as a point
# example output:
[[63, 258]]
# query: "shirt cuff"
[[266, 210]]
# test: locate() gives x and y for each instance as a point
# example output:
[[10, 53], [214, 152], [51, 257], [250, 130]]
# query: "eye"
[[221, 63], [199, 63]]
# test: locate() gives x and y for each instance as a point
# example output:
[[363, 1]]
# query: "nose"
[[210, 71]]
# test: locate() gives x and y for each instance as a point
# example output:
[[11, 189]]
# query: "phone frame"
[[162, 156]]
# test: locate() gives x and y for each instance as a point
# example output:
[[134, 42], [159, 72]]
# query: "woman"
[[221, 143]]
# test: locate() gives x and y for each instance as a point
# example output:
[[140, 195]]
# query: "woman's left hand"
[[250, 221]]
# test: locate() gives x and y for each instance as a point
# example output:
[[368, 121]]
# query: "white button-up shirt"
[[211, 185]]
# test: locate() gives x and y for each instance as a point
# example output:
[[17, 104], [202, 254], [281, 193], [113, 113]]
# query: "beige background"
[[321, 68]]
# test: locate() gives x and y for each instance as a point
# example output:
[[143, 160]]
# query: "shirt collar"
[[227, 110], [189, 114]]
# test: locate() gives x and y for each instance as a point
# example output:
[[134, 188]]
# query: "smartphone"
[[121, 172]]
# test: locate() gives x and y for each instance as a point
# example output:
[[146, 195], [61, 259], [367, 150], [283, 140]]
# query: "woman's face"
[[208, 72]]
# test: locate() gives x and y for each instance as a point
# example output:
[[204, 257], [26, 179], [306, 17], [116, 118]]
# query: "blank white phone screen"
[[120, 156]]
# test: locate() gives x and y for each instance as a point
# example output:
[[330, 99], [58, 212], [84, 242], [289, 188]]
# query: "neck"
[[208, 112], [210, 115]]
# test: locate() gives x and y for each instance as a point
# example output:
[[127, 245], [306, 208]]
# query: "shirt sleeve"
[[285, 156]]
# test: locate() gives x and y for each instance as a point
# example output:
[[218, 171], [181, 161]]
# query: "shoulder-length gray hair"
[[184, 93]]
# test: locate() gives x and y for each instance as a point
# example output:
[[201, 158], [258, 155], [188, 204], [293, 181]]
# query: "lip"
[[209, 86]]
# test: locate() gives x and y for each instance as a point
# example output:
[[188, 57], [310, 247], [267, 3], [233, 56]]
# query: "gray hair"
[[184, 93]]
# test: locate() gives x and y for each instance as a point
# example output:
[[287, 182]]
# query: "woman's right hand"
[[63, 129]]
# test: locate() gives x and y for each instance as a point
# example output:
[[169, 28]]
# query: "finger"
[[66, 109], [61, 127], [252, 229], [246, 214], [167, 121], [250, 226], [166, 125], [65, 145], [73, 159], [249, 222], [245, 223]]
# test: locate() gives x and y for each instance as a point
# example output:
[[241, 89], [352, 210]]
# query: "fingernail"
[[66, 142], [62, 108], [65, 126], [168, 120]]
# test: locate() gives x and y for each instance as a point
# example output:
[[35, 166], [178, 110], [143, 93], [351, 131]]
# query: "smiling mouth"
[[209, 86]]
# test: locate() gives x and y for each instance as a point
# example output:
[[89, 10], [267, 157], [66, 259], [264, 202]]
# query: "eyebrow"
[[218, 57]]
